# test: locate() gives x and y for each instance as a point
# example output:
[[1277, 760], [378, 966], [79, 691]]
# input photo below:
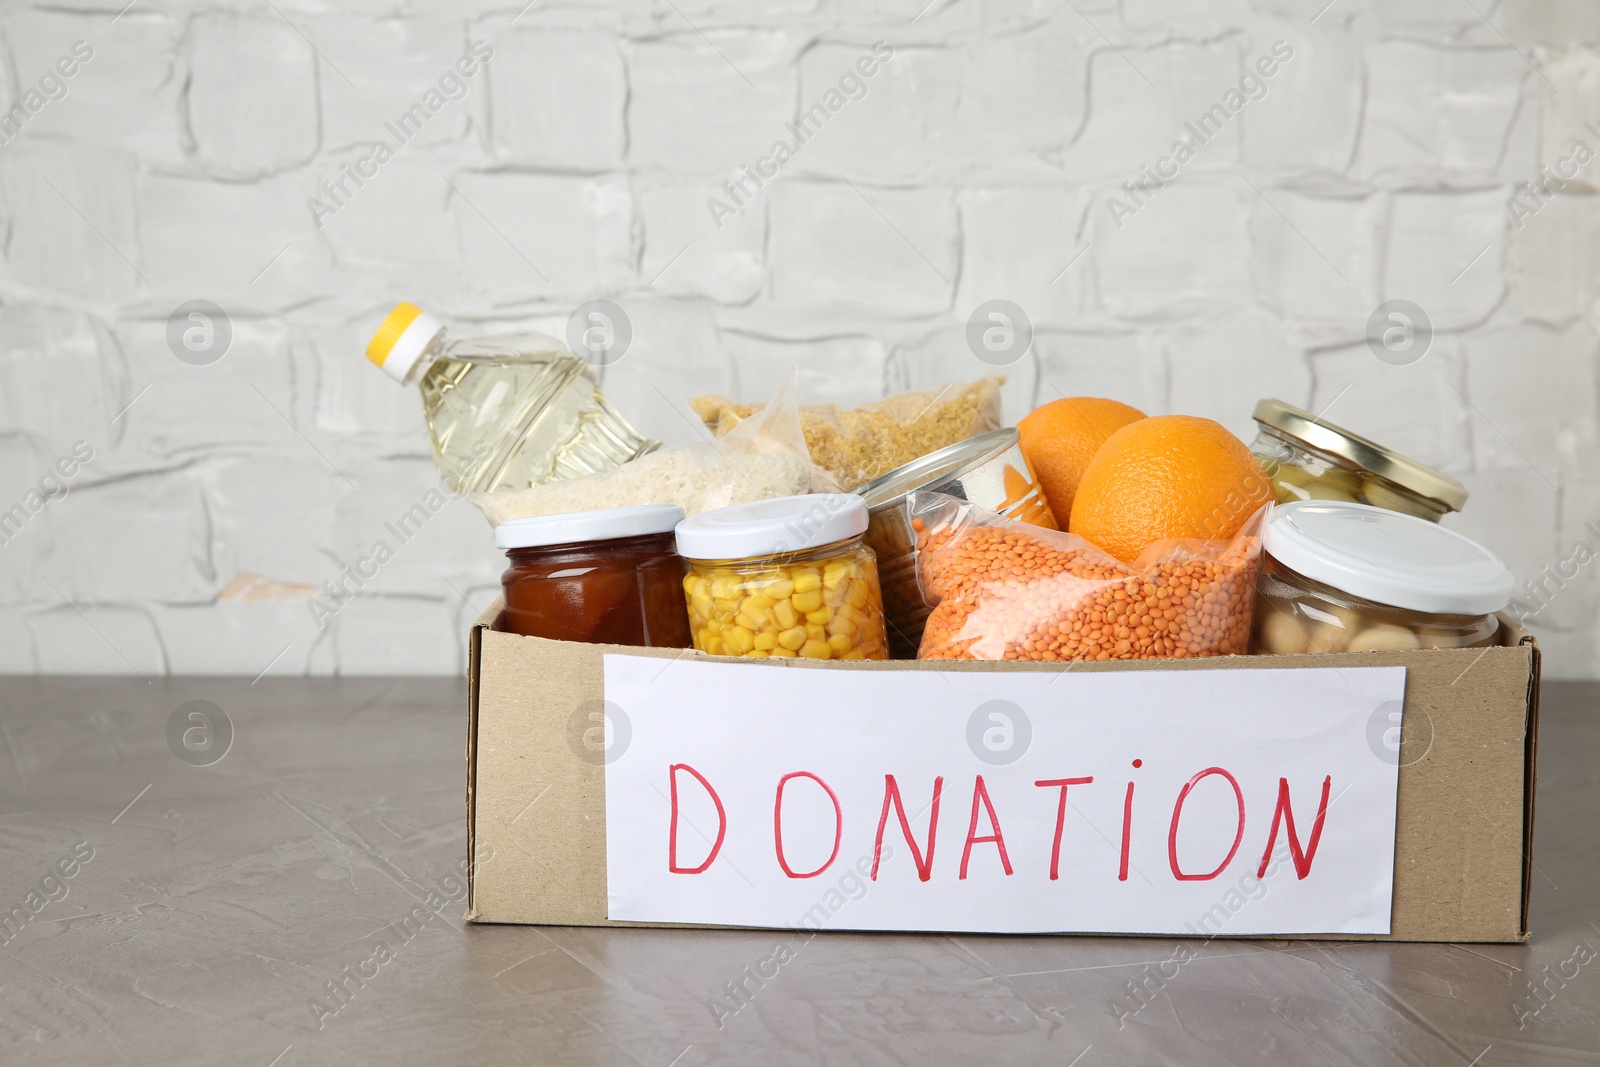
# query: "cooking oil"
[[507, 411]]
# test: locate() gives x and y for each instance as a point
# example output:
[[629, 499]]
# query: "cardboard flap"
[[474, 660], [1530, 776]]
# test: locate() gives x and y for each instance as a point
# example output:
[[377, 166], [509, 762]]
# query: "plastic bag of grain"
[[1006, 589], [852, 446], [763, 457]]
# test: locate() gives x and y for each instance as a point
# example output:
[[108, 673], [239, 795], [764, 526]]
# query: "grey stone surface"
[[296, 902]]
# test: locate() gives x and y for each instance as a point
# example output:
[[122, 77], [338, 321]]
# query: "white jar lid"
[[606, 524], [1389, 558], [771, 527]]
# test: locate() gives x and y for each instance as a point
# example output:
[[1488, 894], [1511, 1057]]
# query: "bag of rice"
[[763, 457]]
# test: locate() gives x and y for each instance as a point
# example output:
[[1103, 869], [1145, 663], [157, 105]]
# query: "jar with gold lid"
[[1309, 458]]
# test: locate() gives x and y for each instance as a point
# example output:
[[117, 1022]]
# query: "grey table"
[[298, 902]]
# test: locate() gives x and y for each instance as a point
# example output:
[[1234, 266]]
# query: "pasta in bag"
[[1009, 590], [851, 446]]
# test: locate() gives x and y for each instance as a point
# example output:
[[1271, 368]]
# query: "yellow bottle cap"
[[401, 339]]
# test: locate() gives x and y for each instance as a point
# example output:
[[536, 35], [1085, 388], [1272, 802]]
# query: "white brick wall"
[[981, 160]]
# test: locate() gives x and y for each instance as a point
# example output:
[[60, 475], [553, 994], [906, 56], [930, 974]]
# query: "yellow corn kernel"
[[823, 610], [808, 601]]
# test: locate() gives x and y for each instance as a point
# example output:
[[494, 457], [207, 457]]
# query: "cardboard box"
[[1464, 819]]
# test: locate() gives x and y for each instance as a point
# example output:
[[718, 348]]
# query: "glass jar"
[[1309, 458], [509, 411], [601, 577], [989, 470], [1345, 577], [789, 577]]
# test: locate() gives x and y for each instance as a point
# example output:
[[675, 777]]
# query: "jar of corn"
[[785, 578]]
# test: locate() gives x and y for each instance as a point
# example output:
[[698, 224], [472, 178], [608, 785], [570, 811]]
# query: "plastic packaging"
[[1309, 458], [1008, 590], [762, 457], [787, 578], [851, 446], [609, 577], [1346, 577], [504, 412]]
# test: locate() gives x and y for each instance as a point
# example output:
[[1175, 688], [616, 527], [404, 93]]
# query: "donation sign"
[[1218, 802]]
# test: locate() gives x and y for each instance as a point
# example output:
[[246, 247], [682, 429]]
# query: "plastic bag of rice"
[[764, 457]]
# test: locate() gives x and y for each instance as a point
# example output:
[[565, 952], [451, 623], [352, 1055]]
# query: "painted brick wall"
[[987, 158]]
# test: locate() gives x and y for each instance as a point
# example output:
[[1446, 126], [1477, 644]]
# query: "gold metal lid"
[[937, 469], [1324, 436]]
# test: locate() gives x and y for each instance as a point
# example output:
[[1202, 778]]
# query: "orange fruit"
[[1167, 476], [1061, 437]]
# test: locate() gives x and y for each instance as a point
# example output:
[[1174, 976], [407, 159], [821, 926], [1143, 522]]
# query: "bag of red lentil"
[[1005, 589]]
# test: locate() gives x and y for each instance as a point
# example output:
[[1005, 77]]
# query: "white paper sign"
[[1219, 802]]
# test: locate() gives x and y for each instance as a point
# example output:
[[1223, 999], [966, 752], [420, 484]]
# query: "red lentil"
[[1016, 592]]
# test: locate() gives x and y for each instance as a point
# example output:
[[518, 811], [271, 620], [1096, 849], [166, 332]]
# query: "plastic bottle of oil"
[[505, 412]]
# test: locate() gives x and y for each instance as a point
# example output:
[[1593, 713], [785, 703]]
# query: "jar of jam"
[[601, 577], [1345, 577], [785, 578], [1309, 458]]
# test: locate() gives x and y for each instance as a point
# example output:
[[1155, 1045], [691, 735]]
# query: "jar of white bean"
[[1347, 577], [1309, 458]]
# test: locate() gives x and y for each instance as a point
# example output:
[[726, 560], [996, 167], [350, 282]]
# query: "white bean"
[[1385, 638]]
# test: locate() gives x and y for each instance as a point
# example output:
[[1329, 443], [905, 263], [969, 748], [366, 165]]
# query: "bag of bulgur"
[[1006, 589], [851, 446]]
